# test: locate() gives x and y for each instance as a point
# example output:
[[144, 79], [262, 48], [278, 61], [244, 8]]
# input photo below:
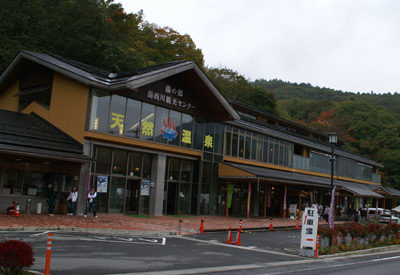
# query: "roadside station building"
[[162, 140]]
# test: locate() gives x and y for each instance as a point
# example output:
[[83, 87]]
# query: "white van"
[[372, 212]]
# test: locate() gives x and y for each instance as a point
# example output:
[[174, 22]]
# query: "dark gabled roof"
[[274, 175], [110, 75], [102, 79], [29, 134]]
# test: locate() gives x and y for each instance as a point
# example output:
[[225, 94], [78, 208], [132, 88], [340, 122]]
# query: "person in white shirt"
[[72, 199], [91, 203]]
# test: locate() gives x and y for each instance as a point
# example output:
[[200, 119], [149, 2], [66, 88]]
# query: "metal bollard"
[[48, 253], [28, 206], [180, 226]]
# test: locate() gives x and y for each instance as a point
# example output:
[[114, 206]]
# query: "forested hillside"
[[370, 123], [100, 33]]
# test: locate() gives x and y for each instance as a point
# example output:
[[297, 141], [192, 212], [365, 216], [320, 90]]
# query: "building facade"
[[164, 141]]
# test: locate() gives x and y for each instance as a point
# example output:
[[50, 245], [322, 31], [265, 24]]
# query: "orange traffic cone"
[[202, 227], [297, 224], [16, 212], [316, 247], [237, 242], [271, 225], [240, 226], [229, 240]]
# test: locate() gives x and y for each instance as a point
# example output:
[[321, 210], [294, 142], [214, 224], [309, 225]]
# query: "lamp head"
[[332, 138]]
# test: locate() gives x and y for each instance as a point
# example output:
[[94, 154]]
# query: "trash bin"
[[28, 206], [39, 208]]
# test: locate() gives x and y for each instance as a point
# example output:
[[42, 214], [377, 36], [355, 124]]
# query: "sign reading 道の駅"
[[309, 231]]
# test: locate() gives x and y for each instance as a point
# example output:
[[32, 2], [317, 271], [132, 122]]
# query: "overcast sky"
[[348, 45]]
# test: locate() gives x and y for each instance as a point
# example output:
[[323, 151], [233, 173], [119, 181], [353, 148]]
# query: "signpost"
[[309, 232]]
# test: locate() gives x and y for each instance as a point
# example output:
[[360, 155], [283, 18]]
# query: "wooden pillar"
[[265, 199], [384, 203], [284, 201], [248, 199], [314, 198], [227, 194], [299, 204]]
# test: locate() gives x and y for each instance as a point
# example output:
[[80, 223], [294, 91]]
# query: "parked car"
[[388, 216], [372, 212]]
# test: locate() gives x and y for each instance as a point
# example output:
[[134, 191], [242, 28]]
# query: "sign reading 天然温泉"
[[309, 232]]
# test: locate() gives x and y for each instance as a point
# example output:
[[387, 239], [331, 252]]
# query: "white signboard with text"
[[309, 228]]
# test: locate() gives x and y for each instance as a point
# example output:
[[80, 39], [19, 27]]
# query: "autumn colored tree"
[[235, 86]]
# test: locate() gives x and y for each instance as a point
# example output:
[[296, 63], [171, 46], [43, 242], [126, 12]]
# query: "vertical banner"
[[230, 195], [248, 200], [284, 198], [331, 208]]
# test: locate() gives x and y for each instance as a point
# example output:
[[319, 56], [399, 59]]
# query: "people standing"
[[72, 199], [91, 203], [51, 201]]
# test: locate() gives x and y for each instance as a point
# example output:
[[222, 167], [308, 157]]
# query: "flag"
[[330, 219]]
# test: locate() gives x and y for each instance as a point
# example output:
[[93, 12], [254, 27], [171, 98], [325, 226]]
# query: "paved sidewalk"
[[165, 225]]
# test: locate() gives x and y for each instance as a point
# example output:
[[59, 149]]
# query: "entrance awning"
[[358, 190], [230, 170]]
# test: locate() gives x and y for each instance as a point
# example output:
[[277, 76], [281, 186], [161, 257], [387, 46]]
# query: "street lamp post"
[[332, 141]]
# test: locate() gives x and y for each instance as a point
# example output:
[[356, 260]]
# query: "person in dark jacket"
[[91, 203], [51, 201]]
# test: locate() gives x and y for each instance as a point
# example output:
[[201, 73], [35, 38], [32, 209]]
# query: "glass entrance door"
[[132, 196], [172, 201]]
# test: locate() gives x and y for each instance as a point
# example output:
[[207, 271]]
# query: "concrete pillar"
[[158, 167], [82, 188]]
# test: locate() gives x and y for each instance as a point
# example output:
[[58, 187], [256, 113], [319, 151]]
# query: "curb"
[[363, 251], [91, 230]]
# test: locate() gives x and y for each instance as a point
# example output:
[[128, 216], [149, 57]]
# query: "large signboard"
[[309, 232]]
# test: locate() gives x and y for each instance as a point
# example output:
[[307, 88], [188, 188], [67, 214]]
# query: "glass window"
[[117, 195], [247, 148], [234, 145], [147, 122], [219, 138], [100, 110], [184, 198], [117, 119], [173, 169], [175, 118], [259, 147], [146, 166], [207, 168], [209, 141], [270, 151], [266, 150], [228, 143], [119, 162], [187, 131], [132, 121], [241, 146], [276, 152], [281, 155], [186, 172], [163, 130], [103, 161], [198, 135], [205, 199], [134, 164]]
